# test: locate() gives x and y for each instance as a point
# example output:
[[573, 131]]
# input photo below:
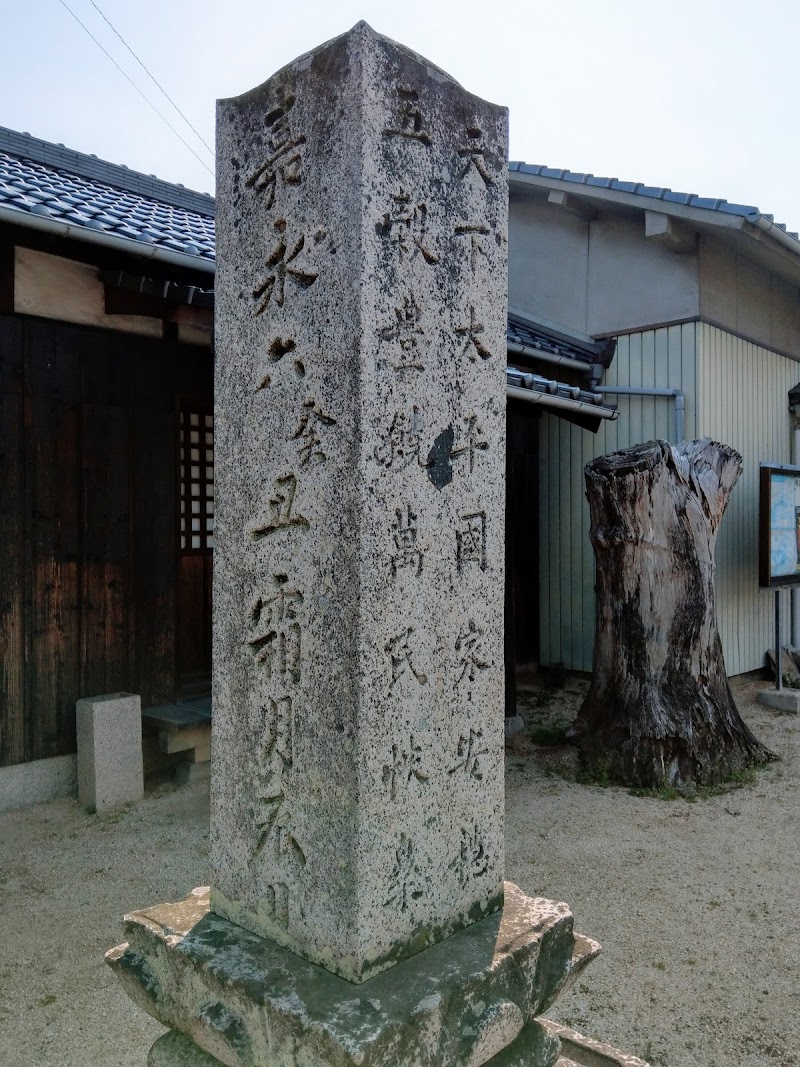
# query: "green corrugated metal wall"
[[735, 392], [741, 400], [663, 358]]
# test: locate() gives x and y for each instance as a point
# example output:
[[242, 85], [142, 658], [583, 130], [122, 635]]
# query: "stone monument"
[[357, 910]]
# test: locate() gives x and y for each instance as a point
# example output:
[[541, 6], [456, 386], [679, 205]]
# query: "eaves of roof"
[[687, 206], [68, 194]]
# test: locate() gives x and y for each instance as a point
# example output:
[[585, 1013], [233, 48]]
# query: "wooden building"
[[105, 375]]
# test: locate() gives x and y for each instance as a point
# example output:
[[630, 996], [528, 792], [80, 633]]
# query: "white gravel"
[[696, 905]]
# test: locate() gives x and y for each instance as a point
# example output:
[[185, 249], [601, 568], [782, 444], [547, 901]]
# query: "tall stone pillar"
[[357, 783], [357, 776]]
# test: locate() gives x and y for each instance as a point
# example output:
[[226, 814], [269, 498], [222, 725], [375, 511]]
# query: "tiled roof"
[[538, 339], [651, 192], [49, 181], [525, 380]]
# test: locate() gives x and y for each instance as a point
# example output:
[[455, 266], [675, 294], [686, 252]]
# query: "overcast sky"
[[698, 95]]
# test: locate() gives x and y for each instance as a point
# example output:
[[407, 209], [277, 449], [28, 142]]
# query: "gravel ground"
[[696, 905]]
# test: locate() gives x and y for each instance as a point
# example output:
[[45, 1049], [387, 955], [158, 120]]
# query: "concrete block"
[[784, 700], [37, 782], [109, 750]]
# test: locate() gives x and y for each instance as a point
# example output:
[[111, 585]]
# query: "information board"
[[779, 525]]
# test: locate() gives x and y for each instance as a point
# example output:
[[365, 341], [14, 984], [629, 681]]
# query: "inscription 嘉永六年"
[[473, 230], [471, 333], [400, 447], [408, 553], [406, 224], [284, 160], [275, 637], [313, 424], [401, 658], [475, 151], [405, 877], [405, 332], [281, 509], [279, 263], [470, 657], [472, 860], [469, 754], [471, 541], [406, 763], [409, 120]]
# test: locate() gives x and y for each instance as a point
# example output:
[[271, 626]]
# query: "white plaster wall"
[[548, 262], [635, 282], [744, 298]]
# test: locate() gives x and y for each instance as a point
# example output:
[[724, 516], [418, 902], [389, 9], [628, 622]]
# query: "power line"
[[136, 87], [151, 76]]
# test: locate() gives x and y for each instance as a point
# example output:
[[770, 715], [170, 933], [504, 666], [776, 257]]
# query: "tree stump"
[[659, 710]]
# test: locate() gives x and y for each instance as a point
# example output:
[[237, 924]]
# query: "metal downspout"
[[635, 390]]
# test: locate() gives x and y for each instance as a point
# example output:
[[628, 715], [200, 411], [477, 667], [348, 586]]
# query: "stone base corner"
[[233, 998]]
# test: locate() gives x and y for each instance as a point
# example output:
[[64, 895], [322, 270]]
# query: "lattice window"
[[197, 481]]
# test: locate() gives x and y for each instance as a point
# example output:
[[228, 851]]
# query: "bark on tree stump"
[[660, 710]]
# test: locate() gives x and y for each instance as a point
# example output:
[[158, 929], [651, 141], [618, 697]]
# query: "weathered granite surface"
[[357, 781], [468, 1001]]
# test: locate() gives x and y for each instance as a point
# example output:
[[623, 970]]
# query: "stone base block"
[[247, 1002], [24, 784], [110, 770], [784, 700], [580, 1051]]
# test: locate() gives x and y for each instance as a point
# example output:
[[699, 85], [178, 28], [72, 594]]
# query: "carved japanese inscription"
[[286, 264], [471, 747], [405, 878], [406, 333], [401, 658], [471, 541], [408, 553], [470, 334], [275, 630], [405, 764], [472, 860], [310, 433], [406, 224], [284, 159], [408, 121], [281, 513]]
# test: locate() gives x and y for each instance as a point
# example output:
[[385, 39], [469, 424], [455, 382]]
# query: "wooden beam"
[[6, 277], [572, 203], [665, 231]]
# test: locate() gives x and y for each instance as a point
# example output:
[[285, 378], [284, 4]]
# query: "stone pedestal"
[[244, 1001], [110, 769]]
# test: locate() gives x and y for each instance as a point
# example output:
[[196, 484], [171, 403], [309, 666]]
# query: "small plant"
[[599, 773], [548, 736]]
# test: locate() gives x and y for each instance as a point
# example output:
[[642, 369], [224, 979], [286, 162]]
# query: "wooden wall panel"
[[88, 521], [53, 516], [12, 564]]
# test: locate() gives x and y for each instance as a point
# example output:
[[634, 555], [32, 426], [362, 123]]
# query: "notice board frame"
[[767, 471]]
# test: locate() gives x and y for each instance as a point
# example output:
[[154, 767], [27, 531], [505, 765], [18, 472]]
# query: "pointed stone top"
[[362, 30]]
